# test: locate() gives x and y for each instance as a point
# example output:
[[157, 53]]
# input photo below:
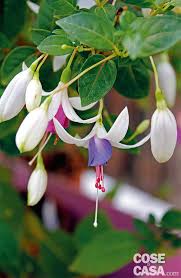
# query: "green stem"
[[155, 74], [72, 58], [42, 62], [83, 72]]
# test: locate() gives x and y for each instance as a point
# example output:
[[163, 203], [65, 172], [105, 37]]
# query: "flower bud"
[[142, 127], [13, 98], [33, 128], [167, 81], [163, 134], [33, 94], [37, 183]]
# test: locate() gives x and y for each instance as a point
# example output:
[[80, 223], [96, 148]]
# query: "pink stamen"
[[99, 184]]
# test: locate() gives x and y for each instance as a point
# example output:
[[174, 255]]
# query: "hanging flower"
[[163, 133], [33, 128], [33, 93], [167, 81], [37, 183], [99, 142], [13, 98]]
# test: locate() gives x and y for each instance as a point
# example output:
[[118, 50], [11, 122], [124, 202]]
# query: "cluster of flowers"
[[53, 115]]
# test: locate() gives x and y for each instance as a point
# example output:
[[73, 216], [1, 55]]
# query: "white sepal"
[[167, 81], [146, 11], [119, 128], [127, 147], [32, 129], [67, 138], [71, 114], [13, 98], [33, 94], [76, 103], [163, 135], [37, 185]]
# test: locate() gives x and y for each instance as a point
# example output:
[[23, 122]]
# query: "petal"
[[33, 7], [119, 128], [100, 151], [163, 135], [58, 62], [125, 147], [24, 66], [54, 105], [60, 116], [76, 103], [67, 138], [71, 114]]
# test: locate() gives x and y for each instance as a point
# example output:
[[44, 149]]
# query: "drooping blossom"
[[37, 183], [163, 134], [33, 128], [100, 142]]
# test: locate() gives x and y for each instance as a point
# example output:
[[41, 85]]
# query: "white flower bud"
[[37, 184], [33, 128], [13, 98], [163, 134], [33, 94], [167, 81]]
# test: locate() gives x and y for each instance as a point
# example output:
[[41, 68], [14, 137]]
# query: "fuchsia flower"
[[100, 142]]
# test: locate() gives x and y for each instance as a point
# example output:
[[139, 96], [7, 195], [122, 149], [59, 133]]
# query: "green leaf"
[[13, 17], [151, 35], [85, 232], [12, 64], [107, 12], [171, 220], [97, 82], [126, 19], [133, 80], [45, 19], [106, 253], [63, 7], [141, 3], [38, 35], [89, 29], [52, 45], [4, 42]]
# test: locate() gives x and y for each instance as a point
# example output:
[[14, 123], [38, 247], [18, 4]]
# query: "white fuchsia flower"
[[167, 81], [58, 62], [33, 128], [100, 142], [37, 183], [163, 134], [33, 93]]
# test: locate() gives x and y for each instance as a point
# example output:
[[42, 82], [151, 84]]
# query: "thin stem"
[[83, 72], [72, 57], [42, 62], [40, 150], [96, 210], [155, 74]]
